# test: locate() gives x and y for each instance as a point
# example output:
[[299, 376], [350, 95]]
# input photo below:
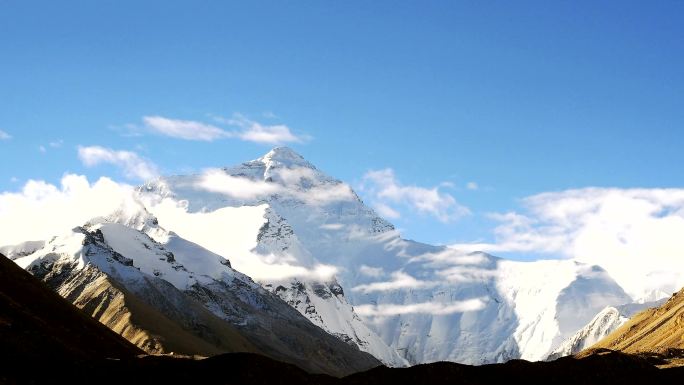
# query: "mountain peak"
[[285, 156]]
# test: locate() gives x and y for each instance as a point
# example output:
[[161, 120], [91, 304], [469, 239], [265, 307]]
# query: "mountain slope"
[[657, 330], [190, 331], [604, 323], [427, 303], [36, 323], [172, 295]]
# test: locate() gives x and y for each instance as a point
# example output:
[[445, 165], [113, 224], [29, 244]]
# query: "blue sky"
[[520, 98]]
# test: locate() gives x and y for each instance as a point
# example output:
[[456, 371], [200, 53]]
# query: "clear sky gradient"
[[518, 98]]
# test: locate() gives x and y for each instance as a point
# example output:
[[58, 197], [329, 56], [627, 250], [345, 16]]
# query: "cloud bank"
[[41, 210], [635, 234], [232, 233]]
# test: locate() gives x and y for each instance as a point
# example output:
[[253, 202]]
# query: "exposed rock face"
[[160, 296], [37, 324]]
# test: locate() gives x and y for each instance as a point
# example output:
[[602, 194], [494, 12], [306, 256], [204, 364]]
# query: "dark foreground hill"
[[45, 339], [37, 325], [249, 368]]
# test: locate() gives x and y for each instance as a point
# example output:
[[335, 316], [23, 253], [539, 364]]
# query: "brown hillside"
[[192, 331], [36, 323], [658, 331]]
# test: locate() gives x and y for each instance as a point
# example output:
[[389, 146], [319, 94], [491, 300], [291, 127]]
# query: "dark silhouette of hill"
[[37, 324], [45, 339]]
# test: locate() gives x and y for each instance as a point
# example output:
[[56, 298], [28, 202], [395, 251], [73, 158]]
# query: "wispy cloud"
[[4, 135], [386, 211], [218, 181], [253, 131], [247, 189], [248, 130], [184, 129], [472, 186], [635, 234], [400, 280], [230, 231], [54, 144], [433, 308], [387, 193], [369, 271], [131, 164]]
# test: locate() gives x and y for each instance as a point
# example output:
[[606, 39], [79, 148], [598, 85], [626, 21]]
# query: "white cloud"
[[265, 271], [326, 193], [232, 233], [386, 211], [54, 144], [132, 165], [332, 226], [464, 274], [184, 129], [449, 256], [433, 308], [249, 130], [385, 190], [244, 188], [371, 271], [41, 210], [236, 187], [266, 134], [472, 186], [128, 130], [635, 234], [400, 280], [293, 176], [4, 135]]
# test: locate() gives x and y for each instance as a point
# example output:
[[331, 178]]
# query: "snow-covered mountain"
[[605, 322], [166, 294], [309, 239]]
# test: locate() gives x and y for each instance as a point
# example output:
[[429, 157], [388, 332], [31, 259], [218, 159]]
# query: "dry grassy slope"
[[654, 330], [36, 323], [201, 333]]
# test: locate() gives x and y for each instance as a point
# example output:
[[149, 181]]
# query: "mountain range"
[[275, 257]]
